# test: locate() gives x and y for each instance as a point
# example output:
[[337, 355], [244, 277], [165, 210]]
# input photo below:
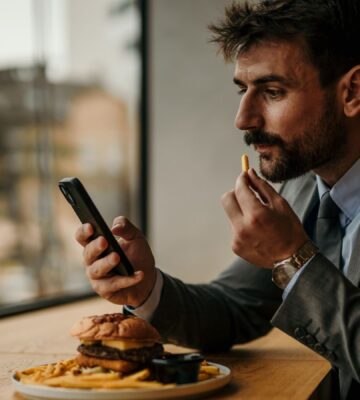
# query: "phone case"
[[85, 209]]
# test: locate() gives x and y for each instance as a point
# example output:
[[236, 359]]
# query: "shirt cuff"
[[294, 279], [147, 309]]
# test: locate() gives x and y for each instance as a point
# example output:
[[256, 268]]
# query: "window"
[[70, 78]]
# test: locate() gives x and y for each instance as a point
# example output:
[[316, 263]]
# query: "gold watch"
[[284, 270]]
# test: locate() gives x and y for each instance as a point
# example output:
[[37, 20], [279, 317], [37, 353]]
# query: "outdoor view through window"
[[69, 96]]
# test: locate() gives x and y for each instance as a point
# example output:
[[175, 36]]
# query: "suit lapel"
[[302, 197], [353, 273]]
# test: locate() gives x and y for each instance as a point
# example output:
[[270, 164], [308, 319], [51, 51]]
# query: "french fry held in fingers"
[[245, 163]]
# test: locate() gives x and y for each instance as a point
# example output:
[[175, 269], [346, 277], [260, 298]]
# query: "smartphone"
[[76, 195]]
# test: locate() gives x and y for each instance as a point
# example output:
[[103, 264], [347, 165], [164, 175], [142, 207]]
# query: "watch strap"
[[284, 270], [302, 256]]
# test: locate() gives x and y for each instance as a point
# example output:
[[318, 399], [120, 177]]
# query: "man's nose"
[[248, 116]]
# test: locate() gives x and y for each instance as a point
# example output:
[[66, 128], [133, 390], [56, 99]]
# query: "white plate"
[[37, 392]]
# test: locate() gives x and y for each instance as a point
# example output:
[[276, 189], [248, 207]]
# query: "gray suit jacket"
[[322, 310]]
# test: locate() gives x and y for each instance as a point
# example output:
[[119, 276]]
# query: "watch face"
[[282, 274]]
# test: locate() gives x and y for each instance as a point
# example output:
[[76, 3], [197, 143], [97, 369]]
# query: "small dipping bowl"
[[178, 368]]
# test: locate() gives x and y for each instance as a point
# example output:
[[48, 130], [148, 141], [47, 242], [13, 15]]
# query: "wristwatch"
[[284, 270]]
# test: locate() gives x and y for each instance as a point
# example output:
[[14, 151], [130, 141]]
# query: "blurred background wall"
[[195, 150]]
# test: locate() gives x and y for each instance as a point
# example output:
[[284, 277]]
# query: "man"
[[297, 67]]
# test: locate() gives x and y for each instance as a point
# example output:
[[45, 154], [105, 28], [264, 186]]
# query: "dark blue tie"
[[328, 234]]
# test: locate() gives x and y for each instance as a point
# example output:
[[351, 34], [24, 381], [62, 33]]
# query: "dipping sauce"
[[178, 368]]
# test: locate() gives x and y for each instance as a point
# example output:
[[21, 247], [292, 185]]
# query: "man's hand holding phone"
[[131, 290]]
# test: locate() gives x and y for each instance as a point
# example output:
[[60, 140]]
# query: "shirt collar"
[[345, 192]]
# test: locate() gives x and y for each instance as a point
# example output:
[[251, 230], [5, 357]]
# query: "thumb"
[[124, 228], [261, 186]]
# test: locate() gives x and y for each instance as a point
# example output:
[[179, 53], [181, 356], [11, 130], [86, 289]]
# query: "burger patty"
[[141, 355]]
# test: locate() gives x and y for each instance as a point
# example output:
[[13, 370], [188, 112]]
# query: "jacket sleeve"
[[323, 311], [234, 308]]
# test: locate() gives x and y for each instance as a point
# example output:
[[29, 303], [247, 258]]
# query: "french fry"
[[49, 369], [245, 162], [80, 382], [103, 376], [58, 370], [73, 382], [139, 376], [32, 370], [136, 384], [37, 376], [27, 380], [203, 376], [210, 369]]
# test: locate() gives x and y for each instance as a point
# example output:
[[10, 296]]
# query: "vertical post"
[[144, 142]]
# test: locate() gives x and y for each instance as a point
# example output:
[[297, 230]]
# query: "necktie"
[[328, 235]]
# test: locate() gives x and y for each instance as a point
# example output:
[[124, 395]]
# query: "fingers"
[[244, 195], [253, 192], [124, 228], [94, 249], [83, 234], [101, 267], [266, 191], [107, 287], [231, 206]]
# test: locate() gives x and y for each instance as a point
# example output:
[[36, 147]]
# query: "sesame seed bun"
[[114, 326]]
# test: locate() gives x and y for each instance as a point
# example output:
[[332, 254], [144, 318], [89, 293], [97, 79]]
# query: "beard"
[[322, 143]]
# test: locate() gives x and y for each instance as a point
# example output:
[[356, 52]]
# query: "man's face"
[[293, 123]]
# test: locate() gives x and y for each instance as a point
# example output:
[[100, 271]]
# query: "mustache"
[[258, 136]]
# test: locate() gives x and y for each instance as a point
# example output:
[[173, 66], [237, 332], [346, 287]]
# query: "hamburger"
[[117, 342]]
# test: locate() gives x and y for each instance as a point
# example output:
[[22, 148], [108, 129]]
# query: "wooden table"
[[273, 367]]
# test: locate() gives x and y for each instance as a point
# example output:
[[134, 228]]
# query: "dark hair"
[[329, 29]]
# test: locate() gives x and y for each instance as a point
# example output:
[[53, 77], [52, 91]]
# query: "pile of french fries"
[[68, 374], [207, 371]]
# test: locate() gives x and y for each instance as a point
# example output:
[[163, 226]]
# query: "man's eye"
[[241, 91], [274, 93]]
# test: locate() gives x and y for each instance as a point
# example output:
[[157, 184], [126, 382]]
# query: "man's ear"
[[350, 92]]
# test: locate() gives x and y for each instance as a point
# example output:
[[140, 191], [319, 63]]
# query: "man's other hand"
[[131, 290]]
